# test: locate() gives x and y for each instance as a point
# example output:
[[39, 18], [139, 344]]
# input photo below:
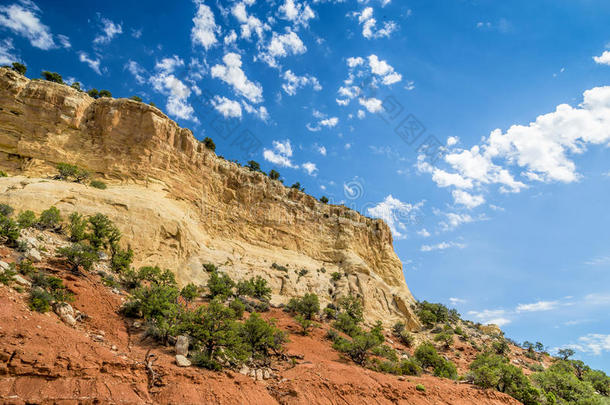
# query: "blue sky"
[[502, 213]]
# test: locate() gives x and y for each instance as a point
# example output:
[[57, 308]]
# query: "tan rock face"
[[180, 206]]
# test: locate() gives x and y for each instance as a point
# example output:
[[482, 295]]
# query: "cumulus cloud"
[[466, 199], [293, 82], [541, 151], [204, 29], [496, 316], [369, 25], [310, 168], [396, 214], [260, 111], [323, 122], [93, 63], [231, 73], [280, 155], [442, 246], [380, 73], [23, 18], [109, 31], [165, 82], [455, 301], [228, 108], [538, 306], [248, 22], [593, 343], [297, 13], [281, 46], [603, 59], [7, 52], [136, 70]]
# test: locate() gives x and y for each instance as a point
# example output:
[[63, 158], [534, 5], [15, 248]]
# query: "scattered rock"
[[137, 324], [114, 348], [31, 242], [33, 255], [65, 313], [97, 338], [21, 281], [182, 361], [116, 291], [266, 374], [245, 370], [182, 345], [4, 265], [259, 375]]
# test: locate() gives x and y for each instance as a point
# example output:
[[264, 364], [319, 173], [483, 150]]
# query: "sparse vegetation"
[[307, 307], [209, 143], [52, 77], [79, 255], [324, 199], [26, 219], [274, 175], [9, 231], [19, 68], [98, 184], [136, 98], [71, 172], [254, 287], [428, 358]]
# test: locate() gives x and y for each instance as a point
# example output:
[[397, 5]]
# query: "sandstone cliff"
[[179, 205]]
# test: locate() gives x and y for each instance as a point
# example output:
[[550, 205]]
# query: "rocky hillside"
[[179, 205]]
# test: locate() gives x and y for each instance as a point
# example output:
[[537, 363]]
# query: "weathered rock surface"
[[182, 361], [65, 313], [179, 205], [182, 345]]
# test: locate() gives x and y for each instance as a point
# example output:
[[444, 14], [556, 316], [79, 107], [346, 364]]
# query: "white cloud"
[[204, 29], [455, 301], [293, 82], [369, 25], [231, 38], [453, 220], [249, 23], [603, 59], [64, 41], [373, 105], [466, 199], [496, 316], [280, 154], [93, 63], [23, 19], [177, 92], [282, 45], [323, 122], [7, 49], [541, 151], [598, 261], [424, 233], [136, 70], [260, 112], [442, 246], [109, 31], [232, 74], [310, 168], [396, 214], [593, 343], [538, 306], [383, 69], [228, 108], [321, 150], [298, 13]]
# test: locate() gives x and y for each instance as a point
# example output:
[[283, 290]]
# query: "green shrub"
[[490, 370], [253, 166], [94, 93], [446, 337], [6, 210], [254, 287], [121, 260], [238, 307], [330, 312], [431, 313], [220, 285], [26, 219], [52, 77], [306, 324], [98, 184], [40, 300], [560, 381], [350, 315], [189, 292], [279, 268], [501, 346], [105, 93], [261, 337], [359, 347], [155, 276], [297, 186], [157, 304], [6, 276], [9, 230], [49, 219], [76, 86], [335, 276], [19, 68], [79, 255], [324, 199], [420, 387], [77, 227], [274, 175], [445, 369], [386, 352], [3, 173], [136, 98], [308, 306], [69, 171], [209, 143], [103, 233], [209, 267], [426, 355], [409, 367]]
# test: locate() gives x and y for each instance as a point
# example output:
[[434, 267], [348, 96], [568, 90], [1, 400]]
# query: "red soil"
[[44, 361]]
